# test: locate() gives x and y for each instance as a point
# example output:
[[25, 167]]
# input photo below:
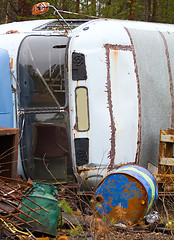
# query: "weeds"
[[85, 223]]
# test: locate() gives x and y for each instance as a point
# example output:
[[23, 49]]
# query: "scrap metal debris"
[[23, 205], [18, 211]]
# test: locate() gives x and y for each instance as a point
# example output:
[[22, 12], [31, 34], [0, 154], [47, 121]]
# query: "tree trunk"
[[24, 8], [147, 5], [154, 11], [132, 10], [7, 9], [77, 6], [93, 5]]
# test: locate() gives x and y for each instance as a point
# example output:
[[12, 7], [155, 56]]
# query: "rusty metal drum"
[[126, 194]]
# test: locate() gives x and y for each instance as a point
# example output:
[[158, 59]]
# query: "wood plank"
[[167, 138], [169, 131], [165, 151], [166, 161]]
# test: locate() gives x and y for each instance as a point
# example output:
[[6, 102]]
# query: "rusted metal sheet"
[[126, 195]]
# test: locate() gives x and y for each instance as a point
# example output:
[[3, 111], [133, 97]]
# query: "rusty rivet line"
[[170, 76], [119, 47], [111, 154]]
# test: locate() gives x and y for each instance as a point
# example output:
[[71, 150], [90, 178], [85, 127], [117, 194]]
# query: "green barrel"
[[47, 219]]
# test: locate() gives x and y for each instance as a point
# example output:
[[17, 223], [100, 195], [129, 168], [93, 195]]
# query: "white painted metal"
[[124, 95], [120, 53]]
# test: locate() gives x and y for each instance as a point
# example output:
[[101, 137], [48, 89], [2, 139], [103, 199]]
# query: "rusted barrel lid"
[[126, 194]]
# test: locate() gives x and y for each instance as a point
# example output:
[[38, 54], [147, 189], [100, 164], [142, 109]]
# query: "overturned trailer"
[[91, 98]]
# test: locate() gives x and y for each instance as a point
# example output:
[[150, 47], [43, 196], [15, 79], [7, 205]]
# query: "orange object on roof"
[[40, 8]]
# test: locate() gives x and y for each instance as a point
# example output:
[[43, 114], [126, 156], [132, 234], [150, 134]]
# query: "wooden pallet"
[[166, 159], [165, 174]]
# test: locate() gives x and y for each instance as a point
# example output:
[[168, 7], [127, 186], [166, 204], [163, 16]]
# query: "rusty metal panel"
[[155, 94]]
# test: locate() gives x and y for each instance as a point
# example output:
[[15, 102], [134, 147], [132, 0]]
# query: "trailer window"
[[45, 136], [41, 71], [82, 114]]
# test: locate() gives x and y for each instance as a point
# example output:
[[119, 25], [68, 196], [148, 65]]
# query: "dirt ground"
[[115, 233], [125, 236], [140, 236]]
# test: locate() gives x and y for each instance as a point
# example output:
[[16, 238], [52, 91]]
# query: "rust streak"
[[111, 154], [139, 99], [170, 76]]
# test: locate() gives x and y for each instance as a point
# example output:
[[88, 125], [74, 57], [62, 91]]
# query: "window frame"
[[44, 108], [87, 109]]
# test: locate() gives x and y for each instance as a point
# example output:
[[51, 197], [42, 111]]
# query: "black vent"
[[78, 66], [81, 151]]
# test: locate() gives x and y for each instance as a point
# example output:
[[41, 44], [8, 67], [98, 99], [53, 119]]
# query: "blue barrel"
[[6, 102], [130, 190]]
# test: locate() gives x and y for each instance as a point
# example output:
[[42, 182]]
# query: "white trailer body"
[[117, 95]]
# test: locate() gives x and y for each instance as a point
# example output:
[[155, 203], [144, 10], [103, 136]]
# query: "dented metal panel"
[[129, 79], [155, 93], [168, 38]]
